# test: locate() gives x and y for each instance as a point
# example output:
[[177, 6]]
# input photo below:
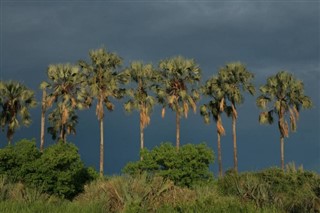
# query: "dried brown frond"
[[50, 100], [234, 112], [193, 105], [73, 102], [163, 112], [283, 127], [99, 110], [220, 127], [221, 105], [144, 117], [295, 110], [185, 109], [65, 115]]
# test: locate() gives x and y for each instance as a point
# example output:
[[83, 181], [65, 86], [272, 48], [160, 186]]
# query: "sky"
[[267, 36]]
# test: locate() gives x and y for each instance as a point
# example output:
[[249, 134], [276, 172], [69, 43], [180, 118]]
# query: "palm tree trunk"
[[61, 133], [101, 147], [44, 94], [177, 131], [235, 156], [282, 152], [141, 135], [219, 156]]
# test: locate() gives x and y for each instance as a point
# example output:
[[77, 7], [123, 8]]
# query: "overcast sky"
[[268, 36]]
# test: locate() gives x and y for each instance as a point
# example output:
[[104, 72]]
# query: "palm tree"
[[178, 75], [236, 79], [66, 85], [216, 106], [63, 122], [143, 76], [103, 81], [285, 96], [16, 101]]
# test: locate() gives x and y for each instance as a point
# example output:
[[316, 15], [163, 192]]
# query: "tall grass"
[[268, 191]]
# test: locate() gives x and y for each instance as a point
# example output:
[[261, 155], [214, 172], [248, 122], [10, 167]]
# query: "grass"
[[268, 191]]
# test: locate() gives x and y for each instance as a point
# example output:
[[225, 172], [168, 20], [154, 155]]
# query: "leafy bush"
[[15, 160], [186, 167], [57, 171]]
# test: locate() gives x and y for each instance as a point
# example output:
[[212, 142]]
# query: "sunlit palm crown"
[[67, 83], [236, 78], [179, 74], [282, 94], [145, 77], [16, 99], [103, 78]]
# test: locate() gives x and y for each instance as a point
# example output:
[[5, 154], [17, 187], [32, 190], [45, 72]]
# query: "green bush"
[[16, 160], [187, 167], [57, 171]]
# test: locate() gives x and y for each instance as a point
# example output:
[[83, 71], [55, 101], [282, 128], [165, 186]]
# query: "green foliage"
[[66, 87], [284, 95], [57, 171], [177, 88], [135, 194], [15, 102], [186, 167], [16, 160], [291, 191]]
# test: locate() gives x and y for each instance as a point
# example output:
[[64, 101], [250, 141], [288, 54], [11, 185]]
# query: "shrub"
[[135, 194], [15, 160], [186, 167], [59, 171], [291, 191]]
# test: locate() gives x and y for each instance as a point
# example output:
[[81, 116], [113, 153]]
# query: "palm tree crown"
[[16, 100], [66, 85]]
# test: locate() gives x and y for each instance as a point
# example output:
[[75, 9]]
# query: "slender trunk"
[[235, 156], [101, 148], [61, 133], [43, 119], [177, 131], [282, 152], [219, 156], [141, 135]]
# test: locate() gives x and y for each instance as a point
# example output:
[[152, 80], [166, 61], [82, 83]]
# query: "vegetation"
[[187, 167], [177, 88], [216, 106], [285, 95], [235, 79], [57, 171], [167, 178], [145, 77], [103, 82], [15, 102]]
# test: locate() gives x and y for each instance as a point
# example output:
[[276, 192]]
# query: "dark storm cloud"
[[266, 35]]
